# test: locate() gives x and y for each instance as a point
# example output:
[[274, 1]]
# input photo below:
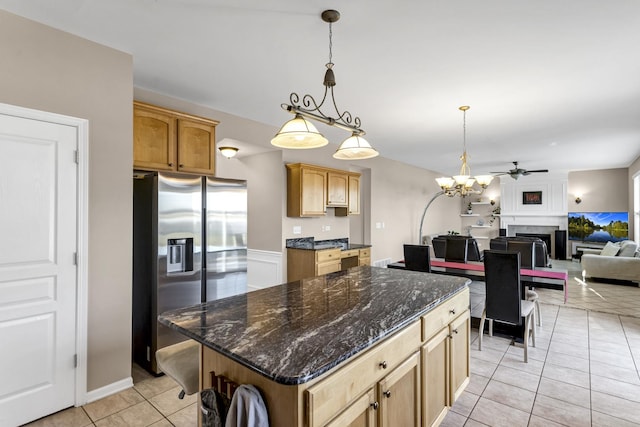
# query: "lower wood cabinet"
[[441, 387], [302, 263]]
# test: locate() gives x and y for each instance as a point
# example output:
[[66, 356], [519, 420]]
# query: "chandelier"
[[463, 184], [300, 133]]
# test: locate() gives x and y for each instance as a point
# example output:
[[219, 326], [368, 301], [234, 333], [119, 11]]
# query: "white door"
[[38, 213]]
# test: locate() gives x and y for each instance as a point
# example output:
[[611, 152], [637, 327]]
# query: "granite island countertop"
[[309, 243], [294, 332]]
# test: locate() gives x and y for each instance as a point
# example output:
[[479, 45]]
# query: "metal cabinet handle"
[[375, 405], [455, 331], [387, 393], [170, 164], [180, 166], [452, 311], [383, 364]]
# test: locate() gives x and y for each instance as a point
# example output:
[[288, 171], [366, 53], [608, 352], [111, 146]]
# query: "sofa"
[[541, 250], [616, 261], [439, 244]]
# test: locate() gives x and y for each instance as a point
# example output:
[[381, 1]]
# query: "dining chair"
[[417, 258], [527, 260], [504, 297], [456, 250]]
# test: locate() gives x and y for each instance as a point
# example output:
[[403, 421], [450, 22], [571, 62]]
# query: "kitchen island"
[[363, 344]]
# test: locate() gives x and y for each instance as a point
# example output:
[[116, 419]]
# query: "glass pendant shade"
[[355, 147], [484, 180], [461, 179], [299, 133], [445, 182]]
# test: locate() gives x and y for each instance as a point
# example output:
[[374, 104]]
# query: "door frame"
[[82, 227]]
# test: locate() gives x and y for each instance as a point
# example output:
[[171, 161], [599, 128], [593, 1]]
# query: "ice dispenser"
[[180, 255]]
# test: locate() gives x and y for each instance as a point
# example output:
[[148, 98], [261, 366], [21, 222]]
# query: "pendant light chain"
[[330, 43]]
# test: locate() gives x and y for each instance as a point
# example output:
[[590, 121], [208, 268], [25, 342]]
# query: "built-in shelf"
[[469, 214]]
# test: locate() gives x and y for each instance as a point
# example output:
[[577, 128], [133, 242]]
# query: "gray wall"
[[50, 70]]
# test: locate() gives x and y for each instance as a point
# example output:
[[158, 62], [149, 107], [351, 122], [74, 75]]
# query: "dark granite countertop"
[[309, 243], [294, 332]]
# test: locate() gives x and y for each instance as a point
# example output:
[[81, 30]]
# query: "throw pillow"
[[610, 249], [628, 248]]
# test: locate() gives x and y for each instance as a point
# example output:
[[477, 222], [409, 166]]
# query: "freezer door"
[[226, 238], [179, 248]]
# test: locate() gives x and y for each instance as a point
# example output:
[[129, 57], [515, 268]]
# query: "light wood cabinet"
[[306, 190], [166, 140], [448, 347], [337, 189], [353, 207], [302, 263], [311, 188], [364, 256], [361, 413], [399, 395]]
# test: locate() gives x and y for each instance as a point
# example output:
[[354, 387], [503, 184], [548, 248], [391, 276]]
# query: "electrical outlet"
[[327, 228], [297, 229]]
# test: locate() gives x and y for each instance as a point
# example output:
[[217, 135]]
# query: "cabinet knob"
[[180, 166], [383, 364], [452, 311], [375, 405], [387, 393], [171, 164], [455, 331]]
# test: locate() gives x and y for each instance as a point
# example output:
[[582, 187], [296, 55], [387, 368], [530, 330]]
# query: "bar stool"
[[180, 362]]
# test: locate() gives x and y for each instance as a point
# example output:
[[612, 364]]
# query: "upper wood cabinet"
[[168, 140], [310, 189], [337, 189], [306, 190]]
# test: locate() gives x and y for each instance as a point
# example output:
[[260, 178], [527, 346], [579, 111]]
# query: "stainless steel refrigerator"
[[174, 218]]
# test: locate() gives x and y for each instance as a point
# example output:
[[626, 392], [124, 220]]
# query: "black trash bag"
[[214, 408]]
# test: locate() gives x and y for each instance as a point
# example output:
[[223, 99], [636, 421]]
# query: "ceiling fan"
[[517, 172]]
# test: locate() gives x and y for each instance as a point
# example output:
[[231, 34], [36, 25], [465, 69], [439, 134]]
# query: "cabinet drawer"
[[365, 253], [327, 255], [347, 254], [331, 395], [365, 261], [442, 315], [328, 267]]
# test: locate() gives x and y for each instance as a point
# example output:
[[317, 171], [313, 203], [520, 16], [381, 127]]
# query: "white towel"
[[247, 408]]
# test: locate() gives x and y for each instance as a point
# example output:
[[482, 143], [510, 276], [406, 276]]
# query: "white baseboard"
[[264, 269], [110, 389]]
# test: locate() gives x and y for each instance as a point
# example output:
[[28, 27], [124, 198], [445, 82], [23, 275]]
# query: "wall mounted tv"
[[598, 227]]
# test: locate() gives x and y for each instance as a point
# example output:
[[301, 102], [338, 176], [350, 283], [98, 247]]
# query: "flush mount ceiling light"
[[463, 184], [228, 152], [299, 133]]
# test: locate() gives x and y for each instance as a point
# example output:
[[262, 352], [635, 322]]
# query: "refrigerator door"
[[179, 262], [226, 238]]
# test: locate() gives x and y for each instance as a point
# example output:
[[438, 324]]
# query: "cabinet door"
[[435, 378], [361, 413], [313, 192], [354, 195], [337, 189], [154, 136], [399, 395], [196, 147], [459, 331]]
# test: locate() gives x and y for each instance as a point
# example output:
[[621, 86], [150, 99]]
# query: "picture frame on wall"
[[532, 197]]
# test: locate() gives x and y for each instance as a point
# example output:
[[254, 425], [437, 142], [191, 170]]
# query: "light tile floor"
[[153, 401], [584, 371]]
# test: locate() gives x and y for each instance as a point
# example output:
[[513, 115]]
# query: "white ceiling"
[[552, 84]]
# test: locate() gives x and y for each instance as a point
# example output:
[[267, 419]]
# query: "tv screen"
[[600, 227]]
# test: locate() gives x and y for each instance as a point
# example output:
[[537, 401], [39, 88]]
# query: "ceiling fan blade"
[[538, 170], [499, 173]]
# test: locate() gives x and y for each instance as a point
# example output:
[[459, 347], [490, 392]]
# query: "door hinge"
[[75, 258], [75, 360], [76, 156]]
